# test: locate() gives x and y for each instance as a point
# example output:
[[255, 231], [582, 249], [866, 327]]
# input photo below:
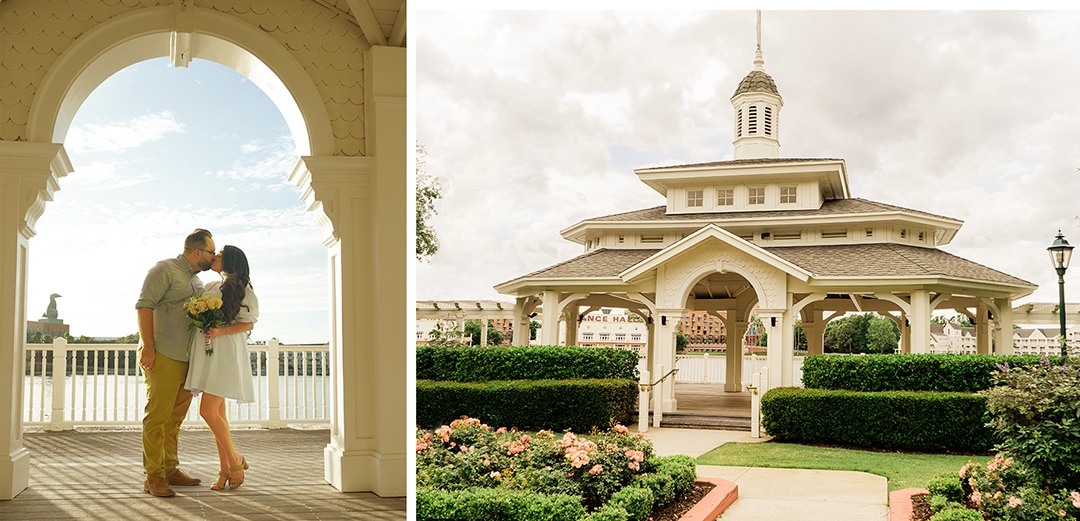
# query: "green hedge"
[[894, 420], [490, 504], [944, 373], [559, 405], [484, 364], [673, 475]]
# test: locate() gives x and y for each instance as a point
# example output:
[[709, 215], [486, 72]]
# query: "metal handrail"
[[648, 387]]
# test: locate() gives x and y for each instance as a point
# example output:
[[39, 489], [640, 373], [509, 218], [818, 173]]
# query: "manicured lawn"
[[903, 470]]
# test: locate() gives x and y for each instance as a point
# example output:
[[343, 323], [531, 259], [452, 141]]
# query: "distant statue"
[[51, 313]]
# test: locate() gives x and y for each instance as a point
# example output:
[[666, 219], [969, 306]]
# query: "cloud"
[[534, 121], [106, 175], [263, 161], [122, 135]]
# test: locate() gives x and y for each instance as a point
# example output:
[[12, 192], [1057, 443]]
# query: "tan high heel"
[[233, 483], [220, 484]]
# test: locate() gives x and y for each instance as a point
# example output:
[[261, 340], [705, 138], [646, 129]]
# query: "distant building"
[[952, 339], [50, 323], [1044, 340], [46, 328]]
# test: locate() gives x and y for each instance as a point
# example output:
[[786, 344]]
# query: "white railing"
[[712, 369], [102, 385]]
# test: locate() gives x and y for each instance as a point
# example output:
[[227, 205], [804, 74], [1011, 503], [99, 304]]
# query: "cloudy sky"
[[535, 120], [157, 152]]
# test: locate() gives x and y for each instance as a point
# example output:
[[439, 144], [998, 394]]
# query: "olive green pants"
[[166, 405]]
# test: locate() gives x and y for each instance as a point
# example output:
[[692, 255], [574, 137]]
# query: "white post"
[[643, 398], [273, 384], [59, 379], [658, 399], [705, 369], [755, 405]]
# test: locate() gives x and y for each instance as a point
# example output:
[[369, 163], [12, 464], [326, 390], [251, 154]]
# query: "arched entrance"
[[344, 100]]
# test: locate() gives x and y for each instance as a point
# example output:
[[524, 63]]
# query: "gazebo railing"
[[69, 385]]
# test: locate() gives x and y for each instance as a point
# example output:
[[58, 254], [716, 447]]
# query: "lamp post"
[[1060, 253]]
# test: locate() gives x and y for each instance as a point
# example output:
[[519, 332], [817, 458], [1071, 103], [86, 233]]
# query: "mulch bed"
[[920, 508], [682, 504]]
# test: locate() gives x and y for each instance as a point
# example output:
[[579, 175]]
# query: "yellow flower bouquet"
[[205, 313]]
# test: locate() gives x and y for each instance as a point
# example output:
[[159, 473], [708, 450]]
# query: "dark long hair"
[[234, 266]]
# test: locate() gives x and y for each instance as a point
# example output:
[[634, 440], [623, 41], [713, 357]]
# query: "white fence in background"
[[69, 385], [712, 369]]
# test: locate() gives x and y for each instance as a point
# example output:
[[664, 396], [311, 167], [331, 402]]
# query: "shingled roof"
[[846, 260], [832, 207], [747, 161]]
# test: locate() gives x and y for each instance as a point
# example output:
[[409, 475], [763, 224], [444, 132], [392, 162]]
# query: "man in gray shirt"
[[166, 341]]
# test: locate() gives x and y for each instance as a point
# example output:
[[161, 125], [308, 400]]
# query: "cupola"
[[757, 106]]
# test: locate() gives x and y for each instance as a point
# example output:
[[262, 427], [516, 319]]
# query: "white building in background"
[[1044, 340], [952, 339]]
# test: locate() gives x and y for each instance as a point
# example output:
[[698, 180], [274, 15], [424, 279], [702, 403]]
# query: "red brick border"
[[900, 508], [713, 504]]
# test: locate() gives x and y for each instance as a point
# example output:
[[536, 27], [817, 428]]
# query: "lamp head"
[[1060, 252]]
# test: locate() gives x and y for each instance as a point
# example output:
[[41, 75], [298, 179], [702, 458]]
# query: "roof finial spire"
[[759, 62]]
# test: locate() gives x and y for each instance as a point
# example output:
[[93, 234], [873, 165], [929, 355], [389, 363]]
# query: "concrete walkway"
[[781, 494]]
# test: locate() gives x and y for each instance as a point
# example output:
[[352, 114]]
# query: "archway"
[[710, 386], [344, 100]]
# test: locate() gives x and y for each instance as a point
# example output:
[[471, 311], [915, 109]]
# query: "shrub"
[[896, 420], [482, 364], [947, 486], [576, 405], [468, 454], [956, 514], [919, 372], [1036, 419], [490, 504], [1001, 491], [636, 501]]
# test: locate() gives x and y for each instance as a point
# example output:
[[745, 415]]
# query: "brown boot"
[[178, 478], [158, 486]]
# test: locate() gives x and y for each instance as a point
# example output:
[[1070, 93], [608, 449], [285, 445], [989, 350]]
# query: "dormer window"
[[788, 194], [755, 195], [695, 198], [725, 197]]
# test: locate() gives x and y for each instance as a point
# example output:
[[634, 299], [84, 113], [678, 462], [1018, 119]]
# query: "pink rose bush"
[[1000, 490], [468, 454]]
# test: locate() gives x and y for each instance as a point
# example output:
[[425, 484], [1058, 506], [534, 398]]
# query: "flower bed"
[[467, 470]]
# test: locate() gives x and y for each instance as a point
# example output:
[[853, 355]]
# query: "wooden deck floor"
[[707, 406], [98, 475]]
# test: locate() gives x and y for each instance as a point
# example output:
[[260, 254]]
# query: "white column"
[[665, 354], [29, 174], [920, 321], [483, 331], [359, 202], [734, 330], [1003, 327], [550, 331], [814, 330], [773, 322], [571, 317], [982, 329]]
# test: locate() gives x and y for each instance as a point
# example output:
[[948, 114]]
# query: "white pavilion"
[[782, 235]]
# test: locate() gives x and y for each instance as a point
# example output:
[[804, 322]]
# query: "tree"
[[446, 334], [472, 331], [427, 191], [681, 342], [862, 333], [882, 335]]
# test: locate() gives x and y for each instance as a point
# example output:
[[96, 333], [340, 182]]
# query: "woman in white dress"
[[223, 370]]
